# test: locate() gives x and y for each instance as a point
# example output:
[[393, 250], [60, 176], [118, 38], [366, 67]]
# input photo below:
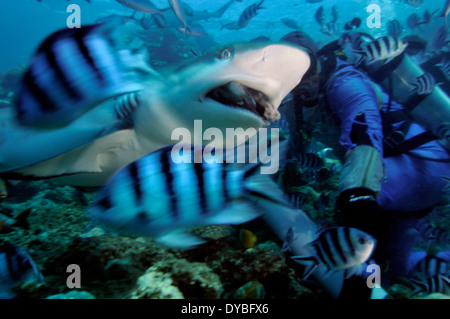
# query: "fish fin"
[[349, 272], [359, 62], [223, 25], [328, 273], [389, 60], [309, 270], [261, 187], [378, 293], [179, 240], [238, 212]]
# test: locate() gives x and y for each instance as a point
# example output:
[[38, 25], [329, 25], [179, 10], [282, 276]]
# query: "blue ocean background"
[[25, 23]]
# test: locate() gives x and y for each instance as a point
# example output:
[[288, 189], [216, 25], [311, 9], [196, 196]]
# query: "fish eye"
[[225, 53], [362, 240]]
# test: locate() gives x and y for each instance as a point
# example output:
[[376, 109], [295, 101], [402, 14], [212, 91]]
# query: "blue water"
[[25, 23]]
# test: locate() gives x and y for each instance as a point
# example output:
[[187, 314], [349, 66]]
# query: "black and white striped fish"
[[435, 284], [423, 84], [310, 161], [430, 266], [126, 104], [16, 266], [73, 71], [249, 13], [159, 195], [339, 248], [437, 236], [395, 29], [382, 49]]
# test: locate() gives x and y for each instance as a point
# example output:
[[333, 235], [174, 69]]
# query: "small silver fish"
[[179, 12], [143, 6], [192, 32]]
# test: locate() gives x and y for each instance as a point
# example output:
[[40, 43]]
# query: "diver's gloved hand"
[[358, 208]]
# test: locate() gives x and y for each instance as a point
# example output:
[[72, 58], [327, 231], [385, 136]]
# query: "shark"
[[205, 14], [119, 131]]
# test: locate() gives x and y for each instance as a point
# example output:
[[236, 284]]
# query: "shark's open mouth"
[[236, 95]]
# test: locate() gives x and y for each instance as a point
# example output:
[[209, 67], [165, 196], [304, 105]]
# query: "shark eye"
[[225, 54]]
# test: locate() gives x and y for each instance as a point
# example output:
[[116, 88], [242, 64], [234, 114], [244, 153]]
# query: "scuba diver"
[[393, 167]]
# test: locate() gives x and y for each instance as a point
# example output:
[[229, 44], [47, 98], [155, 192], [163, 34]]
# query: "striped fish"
[[310, 161], [143, 6], [73, 71], [339, 248], [16, 266], [395, 29], [435, 284], [423, 84], [431, 266], [249, 13], [159, 195], [414, 3], [383, 49]]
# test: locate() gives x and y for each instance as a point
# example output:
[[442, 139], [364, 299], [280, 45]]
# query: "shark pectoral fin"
[[237, 212], [179, 240]]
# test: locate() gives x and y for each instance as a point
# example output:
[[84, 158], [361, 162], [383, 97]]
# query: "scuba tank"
[[407, 83]]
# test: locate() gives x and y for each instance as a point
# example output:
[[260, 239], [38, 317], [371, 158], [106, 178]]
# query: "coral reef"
[[115, 266]]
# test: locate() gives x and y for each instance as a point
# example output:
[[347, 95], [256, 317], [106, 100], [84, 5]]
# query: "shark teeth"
[[236, 95]]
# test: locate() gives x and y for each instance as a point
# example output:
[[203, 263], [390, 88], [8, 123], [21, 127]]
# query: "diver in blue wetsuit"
[[393, 167]]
